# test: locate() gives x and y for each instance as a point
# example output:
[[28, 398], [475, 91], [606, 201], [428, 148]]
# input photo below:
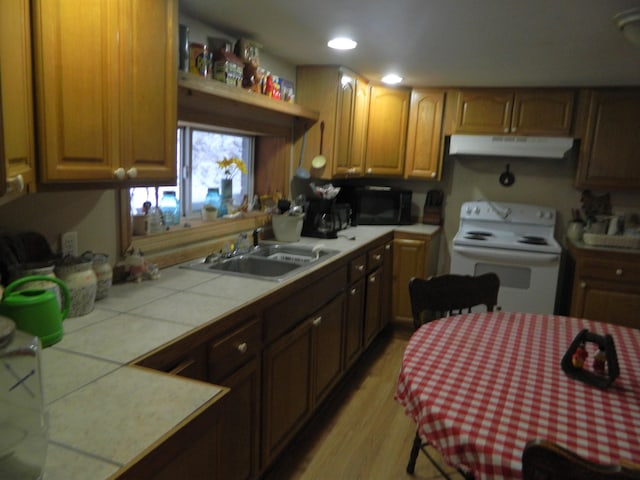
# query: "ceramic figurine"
[[579, 356]]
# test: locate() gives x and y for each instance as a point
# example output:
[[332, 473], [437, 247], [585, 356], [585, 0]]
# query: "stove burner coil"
[[532, 240]]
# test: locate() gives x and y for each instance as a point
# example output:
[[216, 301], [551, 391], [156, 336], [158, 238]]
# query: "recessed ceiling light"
[[391, 79], [342, 43]]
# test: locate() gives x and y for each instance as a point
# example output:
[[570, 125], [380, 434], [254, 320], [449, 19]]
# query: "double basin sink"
[[275, 262]]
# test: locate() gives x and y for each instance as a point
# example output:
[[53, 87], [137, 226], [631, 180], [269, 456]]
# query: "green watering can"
[[36, 311]]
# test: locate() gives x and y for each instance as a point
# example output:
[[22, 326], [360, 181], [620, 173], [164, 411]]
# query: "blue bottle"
[[170, 208], [213, 198]]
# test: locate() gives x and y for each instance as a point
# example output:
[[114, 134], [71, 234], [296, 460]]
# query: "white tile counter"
[[102, 412]]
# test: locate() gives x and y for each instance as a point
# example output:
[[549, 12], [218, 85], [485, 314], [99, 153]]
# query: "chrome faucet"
[[256, 236]]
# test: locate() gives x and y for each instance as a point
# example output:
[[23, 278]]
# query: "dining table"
[[480, 385]]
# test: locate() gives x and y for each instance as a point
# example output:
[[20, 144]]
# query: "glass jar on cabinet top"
[[170, 208]]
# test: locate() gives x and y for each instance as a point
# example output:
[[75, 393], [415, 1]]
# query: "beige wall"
[[93, 214], [541, 182]]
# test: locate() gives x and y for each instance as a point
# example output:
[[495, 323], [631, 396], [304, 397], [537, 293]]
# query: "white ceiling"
[[442, 42]]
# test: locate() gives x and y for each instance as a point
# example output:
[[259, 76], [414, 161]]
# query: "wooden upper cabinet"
[[424, 134], [352, 120], [342, 99], [610, 149], [387, 131], [544, 112], [16, 107], [107, 86]]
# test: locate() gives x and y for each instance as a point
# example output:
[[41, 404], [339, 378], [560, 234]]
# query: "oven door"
[[528, 280]]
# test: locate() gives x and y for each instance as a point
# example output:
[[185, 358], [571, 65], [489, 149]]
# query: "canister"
[[198, 59]]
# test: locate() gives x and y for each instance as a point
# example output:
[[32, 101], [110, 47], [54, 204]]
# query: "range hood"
[[510, 146]]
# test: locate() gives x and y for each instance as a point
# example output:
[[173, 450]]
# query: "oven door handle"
[[507, 256]]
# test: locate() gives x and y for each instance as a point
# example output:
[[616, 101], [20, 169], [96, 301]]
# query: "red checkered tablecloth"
[[480, 385]]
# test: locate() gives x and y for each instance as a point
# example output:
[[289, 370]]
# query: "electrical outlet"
[[69, 244]]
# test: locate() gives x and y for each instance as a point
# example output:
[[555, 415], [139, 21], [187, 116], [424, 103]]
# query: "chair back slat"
[[451, 294]]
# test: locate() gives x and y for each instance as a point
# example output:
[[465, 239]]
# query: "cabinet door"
[[344, 125], [239, 425], [609, 150], [327, 347], [605, 301], [354, 321], [16, 94], [409, 259], [424, 135], [287, 389], [77, 76], [373, 306], [387, 286], [484, 111], [387, 133], [360, 126], [107, 88], [149, 97], [543, 112]]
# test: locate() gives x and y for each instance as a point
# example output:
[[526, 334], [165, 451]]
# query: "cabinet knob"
[[433, 174], [317, 321], [15, 184], [132, 172], [619, 272], [377, 257], [387, 246], [506, 130], [514, 129], [583, 284], [119, 173], [351, 170], [372, 279], [242, 348], [360, 268], [353, 291], [369, 170]]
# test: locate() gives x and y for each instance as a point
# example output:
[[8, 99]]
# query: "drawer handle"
[[353, 291], [619, 272], [377, 257], [317, 321], [360, 268], [372, 279], [583, 284], [242, 348], [387, 246]]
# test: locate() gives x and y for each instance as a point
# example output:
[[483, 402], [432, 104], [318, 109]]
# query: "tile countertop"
[[102, 412]]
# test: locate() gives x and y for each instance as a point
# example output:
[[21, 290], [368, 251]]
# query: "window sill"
[[181, 244]]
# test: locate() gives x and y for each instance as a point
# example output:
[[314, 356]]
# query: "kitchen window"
[[199, 148]]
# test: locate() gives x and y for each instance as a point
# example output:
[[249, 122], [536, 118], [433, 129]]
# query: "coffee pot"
[[37, 311]]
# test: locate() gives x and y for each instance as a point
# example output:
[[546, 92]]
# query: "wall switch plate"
[[69, 244]]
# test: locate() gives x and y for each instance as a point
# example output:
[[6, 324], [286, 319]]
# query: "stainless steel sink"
[[274, 262]]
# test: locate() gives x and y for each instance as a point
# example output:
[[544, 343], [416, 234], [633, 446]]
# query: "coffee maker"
[[321, 219]]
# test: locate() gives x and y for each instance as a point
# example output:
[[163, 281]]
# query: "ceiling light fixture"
[[629, 24], [391, 79], [342, 43]]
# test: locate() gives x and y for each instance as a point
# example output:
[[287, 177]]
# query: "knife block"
[[432, 215]]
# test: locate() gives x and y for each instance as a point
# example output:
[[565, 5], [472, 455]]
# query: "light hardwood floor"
[[361, 433]]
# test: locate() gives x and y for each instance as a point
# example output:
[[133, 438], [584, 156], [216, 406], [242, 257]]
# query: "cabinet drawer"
[[375, 258], [610, 270], [230, 352], [357, 268], [287, 314]]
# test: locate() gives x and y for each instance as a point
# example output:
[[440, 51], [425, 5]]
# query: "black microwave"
[[378, 205]]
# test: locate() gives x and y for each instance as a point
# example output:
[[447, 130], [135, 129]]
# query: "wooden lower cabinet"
[[239, 425], [287, 389], [353, 322], [373, 306], [299, 370], [606, 285], [414, 255]]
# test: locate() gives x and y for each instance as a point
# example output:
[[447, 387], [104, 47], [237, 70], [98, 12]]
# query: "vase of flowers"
[[230, 166]]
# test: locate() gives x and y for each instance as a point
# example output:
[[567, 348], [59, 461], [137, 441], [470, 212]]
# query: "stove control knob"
[[476, 210]]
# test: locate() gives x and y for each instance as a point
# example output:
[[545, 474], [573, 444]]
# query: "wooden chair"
[[545, 460], [444, 296], [451, 294]]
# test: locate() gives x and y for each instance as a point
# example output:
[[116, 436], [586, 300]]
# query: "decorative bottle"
[[170, 208]]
